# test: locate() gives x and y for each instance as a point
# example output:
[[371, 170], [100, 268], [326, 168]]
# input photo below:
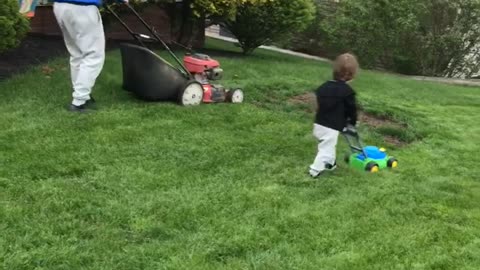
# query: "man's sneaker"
[[330, 167], [78, 109], [91, 104], [88, 106]]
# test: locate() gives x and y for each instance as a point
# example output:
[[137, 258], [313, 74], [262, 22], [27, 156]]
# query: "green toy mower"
[[370, 158]]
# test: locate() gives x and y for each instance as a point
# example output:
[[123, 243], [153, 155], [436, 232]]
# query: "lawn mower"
[[369, 158], [152, 78]]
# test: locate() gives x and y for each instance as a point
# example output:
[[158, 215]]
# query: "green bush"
[[13, 26], [423, 37], [426, 37], [262, 23], [311, 40]]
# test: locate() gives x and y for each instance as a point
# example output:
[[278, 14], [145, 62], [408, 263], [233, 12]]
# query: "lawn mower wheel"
[[191, 94]]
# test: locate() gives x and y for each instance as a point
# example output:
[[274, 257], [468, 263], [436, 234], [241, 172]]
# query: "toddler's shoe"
[[314, 173], [330, 167]]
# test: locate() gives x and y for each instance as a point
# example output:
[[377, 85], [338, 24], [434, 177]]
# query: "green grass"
[[157, 186]]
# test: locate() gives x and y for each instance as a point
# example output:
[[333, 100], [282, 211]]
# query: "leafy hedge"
[[13, 26], [423, 37], [256, 24]]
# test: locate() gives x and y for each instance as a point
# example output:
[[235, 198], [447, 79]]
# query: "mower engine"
[[205, 69]]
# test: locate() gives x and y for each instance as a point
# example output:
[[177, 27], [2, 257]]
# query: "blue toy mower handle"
[[354, 141]]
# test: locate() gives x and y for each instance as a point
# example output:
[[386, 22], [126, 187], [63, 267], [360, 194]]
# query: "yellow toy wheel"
[[372, 167], [392, 163]]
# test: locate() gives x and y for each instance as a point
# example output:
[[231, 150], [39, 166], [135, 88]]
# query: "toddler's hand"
[[350, 129]]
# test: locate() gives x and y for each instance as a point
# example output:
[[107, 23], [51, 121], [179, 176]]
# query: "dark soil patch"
[[392, 131], [394, 140], [307, 101], [379, 121], [34, 50]]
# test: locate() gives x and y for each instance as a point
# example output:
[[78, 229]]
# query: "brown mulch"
[[35, 50]]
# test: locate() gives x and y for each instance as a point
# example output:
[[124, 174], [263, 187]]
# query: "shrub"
[[256, 24], [13, 26], [311, 40], [426, 37]]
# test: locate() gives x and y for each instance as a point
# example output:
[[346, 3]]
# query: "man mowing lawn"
[[82, 28], [336, 110]]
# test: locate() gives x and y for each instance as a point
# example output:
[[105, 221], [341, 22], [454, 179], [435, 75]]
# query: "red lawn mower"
[[152, 78], [204, 68]]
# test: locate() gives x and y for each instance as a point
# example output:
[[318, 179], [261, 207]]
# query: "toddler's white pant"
[[82, 30], [328, 139]]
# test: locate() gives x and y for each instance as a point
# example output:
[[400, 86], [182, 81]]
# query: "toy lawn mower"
[[369, 158], [152, 78]]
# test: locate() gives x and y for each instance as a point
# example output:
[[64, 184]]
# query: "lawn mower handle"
[[360, 148], [134, 35], [154, 33]]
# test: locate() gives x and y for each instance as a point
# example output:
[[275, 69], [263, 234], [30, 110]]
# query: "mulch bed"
[[34, 50]]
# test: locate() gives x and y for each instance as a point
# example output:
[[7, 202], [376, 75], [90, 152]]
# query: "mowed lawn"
[[158, 186]]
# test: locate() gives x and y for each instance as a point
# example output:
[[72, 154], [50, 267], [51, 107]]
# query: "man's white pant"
[[328, 139], [82, 30]]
